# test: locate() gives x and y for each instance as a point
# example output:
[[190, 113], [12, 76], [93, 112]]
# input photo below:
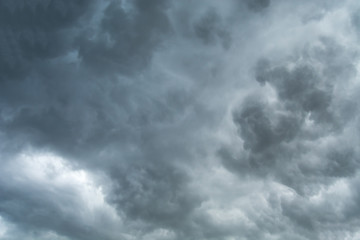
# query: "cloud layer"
[[216, 120]]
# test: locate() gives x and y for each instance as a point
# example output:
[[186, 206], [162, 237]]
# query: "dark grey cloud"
[[31, 32], [127, 38], [178, 120], [284, 139], [258, 5], [107, 123], [274, 134], [210, 29]]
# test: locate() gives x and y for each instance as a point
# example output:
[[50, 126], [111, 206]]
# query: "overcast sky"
[[179, 120]]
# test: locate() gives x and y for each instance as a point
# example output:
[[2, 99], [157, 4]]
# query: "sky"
[[179, 120]]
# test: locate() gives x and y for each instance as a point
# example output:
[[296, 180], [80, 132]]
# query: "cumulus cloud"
[[135, 119]]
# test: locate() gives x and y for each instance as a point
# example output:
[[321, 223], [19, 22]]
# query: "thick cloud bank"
[[169, 120]]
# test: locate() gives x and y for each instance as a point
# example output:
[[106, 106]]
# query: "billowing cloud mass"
[[179, 120]]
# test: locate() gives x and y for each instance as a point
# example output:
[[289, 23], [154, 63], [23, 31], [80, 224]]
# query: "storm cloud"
[[137, 119]]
